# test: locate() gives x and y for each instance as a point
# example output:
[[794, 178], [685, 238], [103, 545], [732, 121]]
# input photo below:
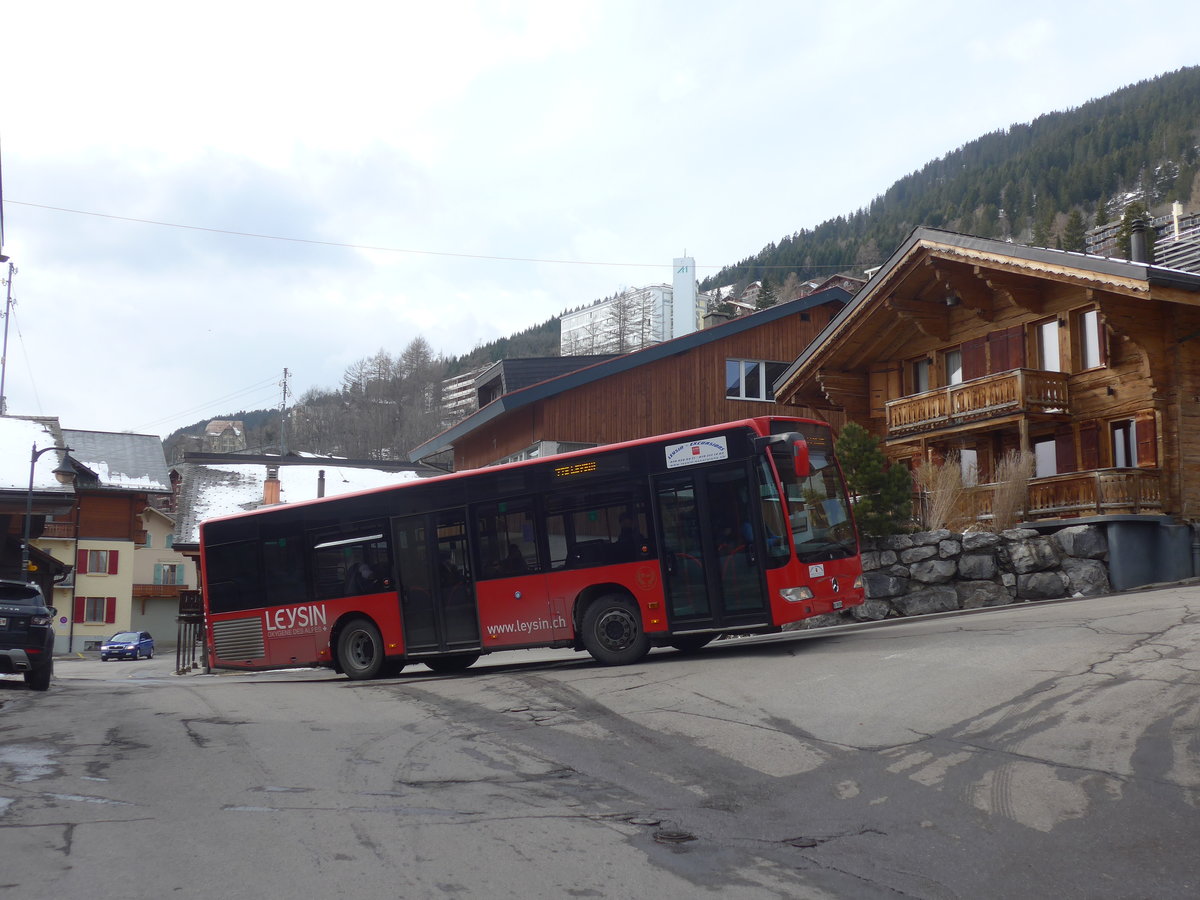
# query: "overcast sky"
[[458, 170]]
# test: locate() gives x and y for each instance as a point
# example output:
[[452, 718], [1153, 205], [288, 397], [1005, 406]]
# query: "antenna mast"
[[283, 414]]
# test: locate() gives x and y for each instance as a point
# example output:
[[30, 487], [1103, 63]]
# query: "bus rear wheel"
[[360, 650], [612, 631], [457, 663]]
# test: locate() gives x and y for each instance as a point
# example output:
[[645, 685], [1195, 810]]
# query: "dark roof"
[[120, 461], [1037, 258], [521, 373], [517, 399]]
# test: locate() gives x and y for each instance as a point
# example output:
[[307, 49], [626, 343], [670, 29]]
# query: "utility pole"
[[8, 304], [283, 414]]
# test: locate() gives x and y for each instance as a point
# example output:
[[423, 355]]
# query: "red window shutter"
[[1147, 441], [1064, 449], [1016, 347], [997, 344], [1089, 445], [112, 561], [110, 610], [974, 359], [80, 609], [81, 559]]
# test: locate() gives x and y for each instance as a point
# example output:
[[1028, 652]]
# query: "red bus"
[[673, 540]]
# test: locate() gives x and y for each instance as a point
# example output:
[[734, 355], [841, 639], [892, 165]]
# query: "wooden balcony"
[[157, 591], [1014, 392], [58, 530], [1098, 492]]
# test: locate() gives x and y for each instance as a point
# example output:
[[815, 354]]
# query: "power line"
[[378, 249], [256, 388]]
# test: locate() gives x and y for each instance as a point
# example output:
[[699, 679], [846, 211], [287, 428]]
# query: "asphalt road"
[[1046, 750]]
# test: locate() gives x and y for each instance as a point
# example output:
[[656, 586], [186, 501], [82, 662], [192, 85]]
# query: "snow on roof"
[[17, 439], [120, 460], [213, 490]]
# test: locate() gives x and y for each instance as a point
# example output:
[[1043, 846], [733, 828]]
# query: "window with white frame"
[[751, 379]]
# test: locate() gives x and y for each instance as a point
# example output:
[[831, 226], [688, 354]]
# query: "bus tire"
[[360, 650], [459, 662], [612, 631], [691, 643]]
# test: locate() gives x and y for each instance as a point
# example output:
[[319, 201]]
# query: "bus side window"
[[506, 535]]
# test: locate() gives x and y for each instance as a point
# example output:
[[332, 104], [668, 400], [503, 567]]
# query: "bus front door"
[[437, 595], [710, 558]]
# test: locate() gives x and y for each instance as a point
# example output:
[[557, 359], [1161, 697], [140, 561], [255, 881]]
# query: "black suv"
[[26, 633]]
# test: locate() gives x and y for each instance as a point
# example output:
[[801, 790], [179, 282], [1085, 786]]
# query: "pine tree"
[[882, 496], [766, 295], [1101, 213], [1075, 234]]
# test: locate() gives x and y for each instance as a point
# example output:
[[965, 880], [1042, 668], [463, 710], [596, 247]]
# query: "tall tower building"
[[685, 318]]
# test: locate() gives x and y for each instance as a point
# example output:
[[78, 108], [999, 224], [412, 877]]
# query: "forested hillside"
[[1043, 183], [1021, 183]]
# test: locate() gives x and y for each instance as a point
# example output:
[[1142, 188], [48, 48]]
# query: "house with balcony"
[[972, 347]]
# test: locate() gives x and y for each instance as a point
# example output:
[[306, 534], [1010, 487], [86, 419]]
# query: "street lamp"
[[65, 475]]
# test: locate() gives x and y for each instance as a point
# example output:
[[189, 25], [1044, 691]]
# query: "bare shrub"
[[945, 501], [1011, 490]]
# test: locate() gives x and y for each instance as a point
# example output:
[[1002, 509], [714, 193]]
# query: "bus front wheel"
[[612, 631], [360, 650]]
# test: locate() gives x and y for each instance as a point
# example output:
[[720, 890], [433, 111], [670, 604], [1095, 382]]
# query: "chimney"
[[715, 318], [271, 486], [1137, 241], [321, 483]]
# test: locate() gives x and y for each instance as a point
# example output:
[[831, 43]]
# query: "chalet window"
[[95, 610], [1091, 339], [953, 360], [1046, 333], [1054, 454], [168, 573], [1124, 444], [968, 458], [149, 542], [1134, 442], [751, 379], [170, 541], [918, 375], [97, 562]]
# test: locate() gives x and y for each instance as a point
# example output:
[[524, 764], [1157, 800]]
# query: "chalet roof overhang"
[[554, 386], [932, 271]]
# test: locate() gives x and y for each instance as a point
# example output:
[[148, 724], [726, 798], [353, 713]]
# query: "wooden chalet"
[[961, 344], [719, 374]]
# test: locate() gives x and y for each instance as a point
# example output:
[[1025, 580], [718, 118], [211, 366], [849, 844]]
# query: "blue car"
[[128, 645]]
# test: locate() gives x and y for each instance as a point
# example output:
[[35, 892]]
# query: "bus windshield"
[[818, 513]]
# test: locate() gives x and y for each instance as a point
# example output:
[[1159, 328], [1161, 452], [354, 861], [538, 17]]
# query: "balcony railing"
[[1016, 391], [1098, 492], [58, 530], [157, 591]]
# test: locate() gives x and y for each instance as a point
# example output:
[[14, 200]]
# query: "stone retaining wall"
[[940, 571]]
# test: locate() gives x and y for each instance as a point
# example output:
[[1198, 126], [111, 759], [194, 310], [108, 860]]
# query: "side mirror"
[[800, 458], [53, 611]]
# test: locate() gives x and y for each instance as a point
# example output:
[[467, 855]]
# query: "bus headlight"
[[796, 594]]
